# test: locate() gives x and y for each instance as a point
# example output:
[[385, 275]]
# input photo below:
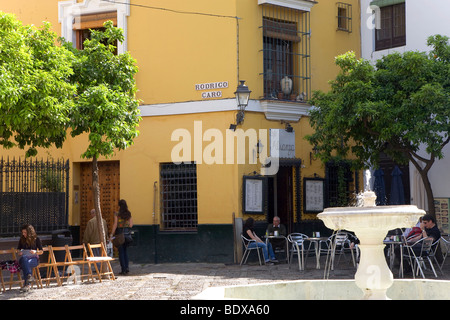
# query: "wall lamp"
[[312, 155], [242, 94], [288, 127], [259, 147]]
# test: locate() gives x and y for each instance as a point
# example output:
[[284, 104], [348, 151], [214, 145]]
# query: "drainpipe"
[[154, 220]]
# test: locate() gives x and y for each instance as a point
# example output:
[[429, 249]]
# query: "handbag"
[[118, 240], [123, 236], [127, 235]]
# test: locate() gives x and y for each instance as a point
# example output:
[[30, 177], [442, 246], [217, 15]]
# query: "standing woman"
[[30, 246], [122, 224]]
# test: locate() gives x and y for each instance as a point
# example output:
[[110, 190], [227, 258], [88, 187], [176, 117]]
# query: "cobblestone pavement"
[[181, 281]]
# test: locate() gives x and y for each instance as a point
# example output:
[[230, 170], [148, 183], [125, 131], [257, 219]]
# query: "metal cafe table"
[[392, 243], [316, 241], [276, 237]]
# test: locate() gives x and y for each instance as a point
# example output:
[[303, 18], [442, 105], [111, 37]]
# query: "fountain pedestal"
[[371, 224], [373, 276]]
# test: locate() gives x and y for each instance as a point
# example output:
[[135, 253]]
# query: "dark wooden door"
[[285, 208], [109, 180]]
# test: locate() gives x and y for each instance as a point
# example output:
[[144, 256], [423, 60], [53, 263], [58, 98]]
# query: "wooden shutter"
[[92, 21]]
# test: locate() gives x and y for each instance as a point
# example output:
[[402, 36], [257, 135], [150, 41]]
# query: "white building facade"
[[406, 25]]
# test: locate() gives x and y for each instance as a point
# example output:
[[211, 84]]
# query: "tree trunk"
[[426, 183], [96, 190], [429, 191]]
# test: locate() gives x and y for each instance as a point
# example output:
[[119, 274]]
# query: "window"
[[392, 31], [179, 196], [74, 15], [344, 16], [83, 25], [286, 53], [339, 184]]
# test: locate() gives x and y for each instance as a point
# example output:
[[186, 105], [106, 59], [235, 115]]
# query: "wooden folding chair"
[[10, 256], [82, 261], [103, 259], [63, 265], [52, 272]]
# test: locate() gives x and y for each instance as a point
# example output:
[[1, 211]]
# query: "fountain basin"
[[368, 220], [401, 289]]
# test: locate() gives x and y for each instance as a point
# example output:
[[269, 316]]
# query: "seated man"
[[277, 229], [428, 229]]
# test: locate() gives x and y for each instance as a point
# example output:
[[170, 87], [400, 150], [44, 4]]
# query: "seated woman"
[[30, 246], [249, 232]]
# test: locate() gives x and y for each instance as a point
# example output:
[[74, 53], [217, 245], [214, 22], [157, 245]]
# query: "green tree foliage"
[[35, 94], [396, 106], [105, 105]]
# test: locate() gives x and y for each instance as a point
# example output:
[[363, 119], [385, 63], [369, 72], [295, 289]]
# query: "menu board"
[[441, 206], [253, 195], [313, 189]]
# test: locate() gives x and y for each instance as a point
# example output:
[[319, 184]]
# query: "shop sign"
[[211, 86], [282, 143]]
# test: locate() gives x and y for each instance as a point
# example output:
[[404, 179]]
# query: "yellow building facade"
[[190, 179]]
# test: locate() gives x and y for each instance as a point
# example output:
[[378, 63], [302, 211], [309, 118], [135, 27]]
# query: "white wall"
[[423, 19]]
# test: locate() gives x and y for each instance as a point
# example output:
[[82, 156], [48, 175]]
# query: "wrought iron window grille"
[[286, 53], [179, 196], [344, 17]]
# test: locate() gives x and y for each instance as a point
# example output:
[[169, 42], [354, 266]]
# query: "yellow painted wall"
[[174, 52], [327, 42], [178, 50], [33, 12]]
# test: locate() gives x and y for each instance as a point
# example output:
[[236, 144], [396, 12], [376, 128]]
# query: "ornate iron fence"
[[35, 192]]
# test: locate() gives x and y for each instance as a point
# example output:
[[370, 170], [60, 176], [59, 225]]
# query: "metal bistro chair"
[[445, 249], [336, 245], [246, 242], [297, 241], [418, 253], [432, 253]]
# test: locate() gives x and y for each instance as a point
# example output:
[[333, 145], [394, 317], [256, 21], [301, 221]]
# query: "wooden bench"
[[103, 259], [65, 268], [9, 255], [66, 265]]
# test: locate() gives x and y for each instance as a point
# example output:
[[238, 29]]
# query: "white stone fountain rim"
[[397, 209]]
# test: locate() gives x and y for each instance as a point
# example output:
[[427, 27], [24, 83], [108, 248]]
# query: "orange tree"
[[105, 106], [396, 106]]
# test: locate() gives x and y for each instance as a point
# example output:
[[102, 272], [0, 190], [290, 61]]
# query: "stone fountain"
[[371, 224]]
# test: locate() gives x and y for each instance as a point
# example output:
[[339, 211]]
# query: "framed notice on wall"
[[253, 195], [313, 195]]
